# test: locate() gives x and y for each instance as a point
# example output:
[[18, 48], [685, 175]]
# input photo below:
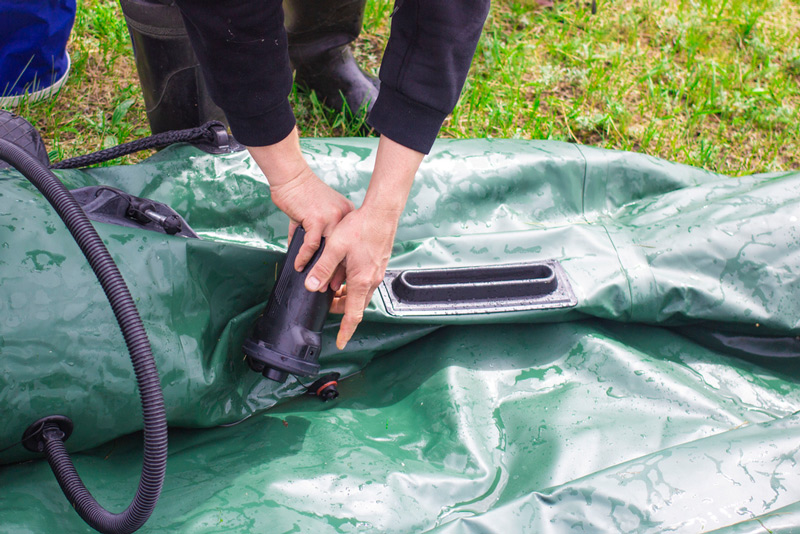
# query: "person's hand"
[[358, 248], [359, 242], [300, 194], [313, 204]]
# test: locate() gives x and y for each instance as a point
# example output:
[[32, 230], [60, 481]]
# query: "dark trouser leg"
[[174, 90], [320, 32]]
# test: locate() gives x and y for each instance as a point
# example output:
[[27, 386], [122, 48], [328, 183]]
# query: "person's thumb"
[[320, 275]]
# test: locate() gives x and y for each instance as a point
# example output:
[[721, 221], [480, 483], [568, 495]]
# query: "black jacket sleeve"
[[424, 67], [242, 49]]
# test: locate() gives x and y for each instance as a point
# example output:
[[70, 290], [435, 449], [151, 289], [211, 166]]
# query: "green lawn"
[[715, 84]]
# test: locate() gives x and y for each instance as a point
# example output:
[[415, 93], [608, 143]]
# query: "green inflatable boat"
[[648, 384]]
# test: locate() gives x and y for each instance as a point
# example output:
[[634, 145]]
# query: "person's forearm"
[[395, 168], [299, 193]]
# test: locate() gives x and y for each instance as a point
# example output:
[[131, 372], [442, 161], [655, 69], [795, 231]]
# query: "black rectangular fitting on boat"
[[479, 289]]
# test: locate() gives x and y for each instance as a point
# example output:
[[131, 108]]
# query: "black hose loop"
[[154, 415], [204, 132]]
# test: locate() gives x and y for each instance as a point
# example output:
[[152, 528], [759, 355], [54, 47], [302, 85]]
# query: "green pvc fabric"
[[666, 400]]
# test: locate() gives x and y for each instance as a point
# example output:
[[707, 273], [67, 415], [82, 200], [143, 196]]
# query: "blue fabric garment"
[[33, 41]]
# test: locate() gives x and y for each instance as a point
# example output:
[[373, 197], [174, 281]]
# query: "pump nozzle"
[[286, 338]]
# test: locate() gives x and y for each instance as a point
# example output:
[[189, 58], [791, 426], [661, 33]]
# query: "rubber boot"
[[175, 93], [320, 33]]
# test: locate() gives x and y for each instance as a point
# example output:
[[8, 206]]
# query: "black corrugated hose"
[[155, 422]]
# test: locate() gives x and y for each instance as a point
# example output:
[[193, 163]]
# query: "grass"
[[710, 83], [101, 105]]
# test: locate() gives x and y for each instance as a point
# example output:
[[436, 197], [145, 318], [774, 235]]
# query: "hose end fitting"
[[45, 429]]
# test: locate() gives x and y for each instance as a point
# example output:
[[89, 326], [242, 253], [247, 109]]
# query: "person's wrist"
[[384, 212], [395, 167], [282, 162], [381, 224]]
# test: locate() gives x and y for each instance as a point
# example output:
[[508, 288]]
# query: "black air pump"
[[286, 337]]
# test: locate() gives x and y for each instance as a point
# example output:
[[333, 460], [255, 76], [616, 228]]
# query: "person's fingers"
[[310, 246], [338, 277], [320, 275], [369, 296], [338, 305], [339, 299], [355, 303]]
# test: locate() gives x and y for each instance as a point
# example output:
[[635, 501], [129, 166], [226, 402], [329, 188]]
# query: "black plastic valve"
[[286, 337]]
